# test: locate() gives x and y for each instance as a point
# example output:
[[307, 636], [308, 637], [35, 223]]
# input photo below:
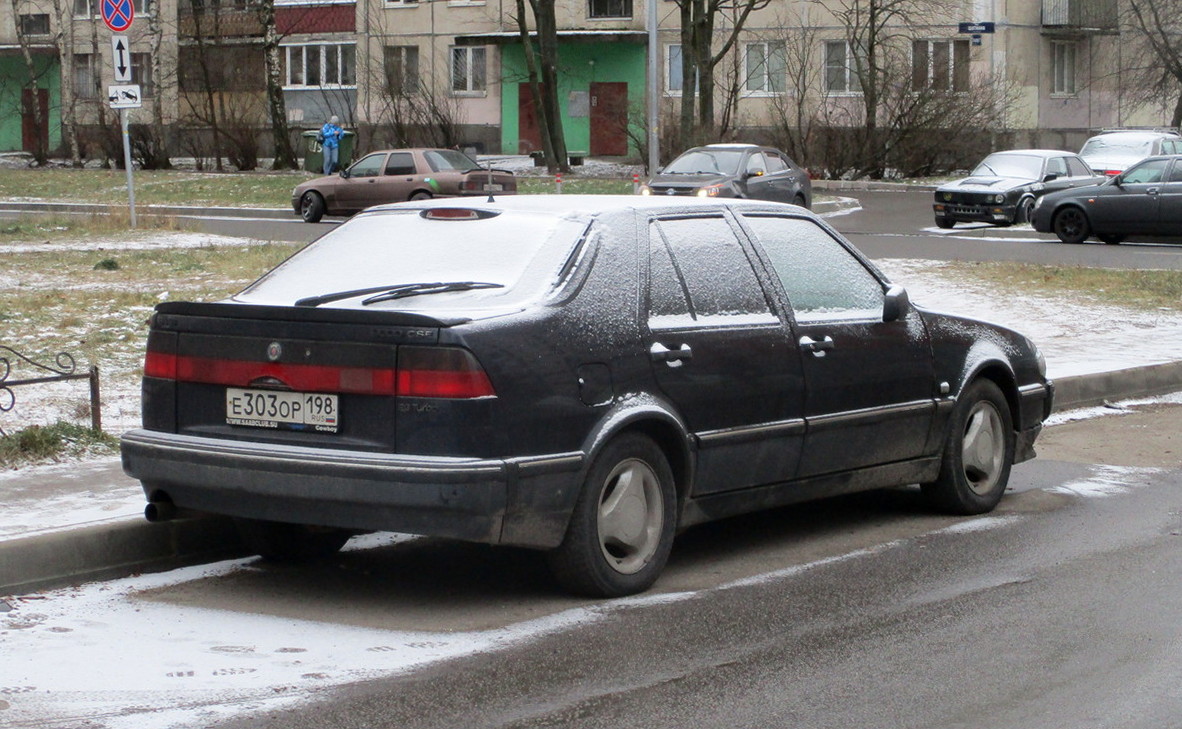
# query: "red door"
[[33, 138], [609, 119], [529, 135]]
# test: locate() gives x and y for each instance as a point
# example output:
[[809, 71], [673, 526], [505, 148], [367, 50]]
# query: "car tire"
[[281, 542], [621, 530], [1112, 240], [1071, 225], [978, 453], [945, 223], [311, 207], [1024, 212], [420, 195]]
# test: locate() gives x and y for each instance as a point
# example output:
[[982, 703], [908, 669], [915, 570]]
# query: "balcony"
[[1080, 17]]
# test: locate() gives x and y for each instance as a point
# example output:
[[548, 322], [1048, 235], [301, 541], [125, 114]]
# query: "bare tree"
[[699, 60], [1153, 57], [40, 144], [877, 35], [542, 67], [285, 156]]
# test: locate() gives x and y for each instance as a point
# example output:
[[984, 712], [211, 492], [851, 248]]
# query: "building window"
[[319, 65], [841, 75], [673, 69], [402, 70], [86, 78], [940, 65], [1063, 67], [90, 8], [467, 69], [141, 73], [609, 8], [766, 68], [34, 24]]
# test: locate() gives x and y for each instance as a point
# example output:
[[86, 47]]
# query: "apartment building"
[[387, 66]]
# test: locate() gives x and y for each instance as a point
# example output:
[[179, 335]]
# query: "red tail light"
[[422, 372], [441, 372]]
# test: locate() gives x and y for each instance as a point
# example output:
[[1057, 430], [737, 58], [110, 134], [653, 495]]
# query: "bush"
[[53, 443]]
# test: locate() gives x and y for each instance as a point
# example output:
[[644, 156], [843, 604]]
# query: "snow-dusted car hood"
[[984, 184]]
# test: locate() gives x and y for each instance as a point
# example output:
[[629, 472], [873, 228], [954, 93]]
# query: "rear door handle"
[[673, 357], [818, 347]]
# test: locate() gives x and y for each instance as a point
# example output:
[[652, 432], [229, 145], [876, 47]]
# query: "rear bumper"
[[519, 501]]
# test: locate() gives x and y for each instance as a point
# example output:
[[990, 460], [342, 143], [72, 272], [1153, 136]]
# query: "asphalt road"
[[1061, 609], [888, 225]]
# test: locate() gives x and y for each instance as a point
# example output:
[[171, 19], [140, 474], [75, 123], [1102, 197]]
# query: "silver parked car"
[[1113, 151]]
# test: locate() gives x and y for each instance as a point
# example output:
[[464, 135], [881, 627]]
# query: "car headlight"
[[646, 190], [711, 190], [999, 199]]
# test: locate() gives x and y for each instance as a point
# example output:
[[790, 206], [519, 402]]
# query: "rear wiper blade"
[[401, 292], [386, 293]]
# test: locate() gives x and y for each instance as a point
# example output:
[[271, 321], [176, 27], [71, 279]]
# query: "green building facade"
[[14, 80]]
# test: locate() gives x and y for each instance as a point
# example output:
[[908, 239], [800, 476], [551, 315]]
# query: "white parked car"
[[1113, 151]]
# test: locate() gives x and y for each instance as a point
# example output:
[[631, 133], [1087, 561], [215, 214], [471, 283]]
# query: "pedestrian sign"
[[117, 14]]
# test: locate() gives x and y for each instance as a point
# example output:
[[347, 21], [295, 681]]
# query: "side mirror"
[[344, 173], [1050, 176], [754, 173], [895, 304]]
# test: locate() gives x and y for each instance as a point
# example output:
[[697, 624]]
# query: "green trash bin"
[[314, 153]]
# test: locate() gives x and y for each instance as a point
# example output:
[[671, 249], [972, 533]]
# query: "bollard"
[[635, 183], [558, 182]]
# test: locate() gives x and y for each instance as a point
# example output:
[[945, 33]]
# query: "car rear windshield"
[[449, 159], [1010, 165], [1130, 145], [521, 254]]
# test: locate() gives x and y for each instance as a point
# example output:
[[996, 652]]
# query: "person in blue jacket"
[[330, 143]]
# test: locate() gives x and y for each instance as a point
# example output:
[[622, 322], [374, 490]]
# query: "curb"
[[1080, 391], [175, 211]]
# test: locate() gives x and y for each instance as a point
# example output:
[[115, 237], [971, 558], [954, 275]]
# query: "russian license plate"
[[493, 187], [282, 409]]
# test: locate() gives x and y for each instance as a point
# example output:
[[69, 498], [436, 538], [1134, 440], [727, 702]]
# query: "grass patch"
[[574, 186], [1140, 289], [152, 187], [40, 444], [49, 228]]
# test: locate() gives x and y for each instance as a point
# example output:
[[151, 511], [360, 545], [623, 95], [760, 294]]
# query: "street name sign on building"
[[121, 58], [977, 27], [124, 97], [117, 14]]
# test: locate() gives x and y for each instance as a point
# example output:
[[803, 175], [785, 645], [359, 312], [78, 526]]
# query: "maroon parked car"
[[394, 175]]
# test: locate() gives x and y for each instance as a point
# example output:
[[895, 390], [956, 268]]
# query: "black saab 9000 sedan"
[[581, 375]]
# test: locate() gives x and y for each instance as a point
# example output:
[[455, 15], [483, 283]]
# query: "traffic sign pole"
[[127, 164]]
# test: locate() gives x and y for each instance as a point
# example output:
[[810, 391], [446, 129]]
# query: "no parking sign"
[[118, 14]]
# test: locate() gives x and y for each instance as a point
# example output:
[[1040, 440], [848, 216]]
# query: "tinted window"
[[667, 298], [1176, 172], [713, 268], [370, 166], [400, 163], [449, 159], [1146, 172], [1057, 166], [822, 279], [775, 163], [1077, 168]]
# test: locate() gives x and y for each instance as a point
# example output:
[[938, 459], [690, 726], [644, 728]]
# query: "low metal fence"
[[63, 368]]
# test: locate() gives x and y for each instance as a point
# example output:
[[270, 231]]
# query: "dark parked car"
[[1002, 189], [734, 170], [1145, 199], [583, 375], [1114, 150], [394, 175]]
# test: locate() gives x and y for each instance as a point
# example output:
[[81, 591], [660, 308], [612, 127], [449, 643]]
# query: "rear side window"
[[822, 279], [400, 163], [699, 269], [1077, 168], [1176, 172]]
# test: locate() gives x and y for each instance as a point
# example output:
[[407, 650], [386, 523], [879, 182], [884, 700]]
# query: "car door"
[[756, 180], [1130, 203], [1170, 201], [398, 178], [359, 185], [870, 391], [721, 356]]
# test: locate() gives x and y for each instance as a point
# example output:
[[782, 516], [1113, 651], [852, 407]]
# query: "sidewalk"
[[71, 523]]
